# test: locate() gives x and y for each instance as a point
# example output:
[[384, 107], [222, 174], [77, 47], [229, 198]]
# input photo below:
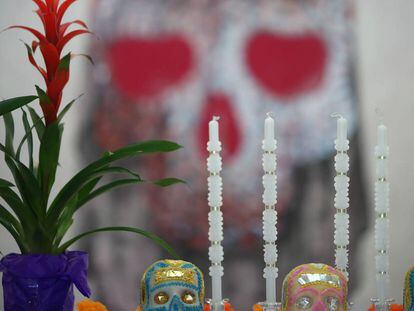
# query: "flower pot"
[[43, 282]]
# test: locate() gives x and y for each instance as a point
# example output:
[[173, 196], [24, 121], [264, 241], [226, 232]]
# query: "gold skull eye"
[[188, 298], [161, 298]]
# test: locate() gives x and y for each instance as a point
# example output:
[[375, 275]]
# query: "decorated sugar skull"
[[409, 290], [172, 285], [314, 287]]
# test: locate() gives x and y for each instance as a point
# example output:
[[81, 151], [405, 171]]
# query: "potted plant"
[[42, 276]]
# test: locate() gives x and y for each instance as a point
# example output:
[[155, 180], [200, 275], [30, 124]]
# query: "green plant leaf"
[[9, 158], [92, 171], [62, 230], [152, 146], [147, 234], [165, 182], [43, 97], [7, 220], [67, 108], [5, 183], [88, 57], [9, 127], [3, 149], [105, 188], [37, 122], [28, 133], [27, 185], [85, 190], [82, 200], [32, 226], [65, 222], [24, 138], [48, 158], [7, 155], [118, 170], [12, 104], [25, 215], [65, 62], [64, 197], [66, 219]]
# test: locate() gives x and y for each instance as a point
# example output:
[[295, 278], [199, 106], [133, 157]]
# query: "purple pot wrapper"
[[43, 282]]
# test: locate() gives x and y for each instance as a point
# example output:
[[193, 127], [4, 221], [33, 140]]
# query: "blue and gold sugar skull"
[[409, 290], [172, 285]]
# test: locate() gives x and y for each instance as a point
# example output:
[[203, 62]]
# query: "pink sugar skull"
[[314, 287]]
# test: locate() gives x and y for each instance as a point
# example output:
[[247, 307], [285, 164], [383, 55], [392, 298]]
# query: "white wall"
[[386, 74], [386, 71]]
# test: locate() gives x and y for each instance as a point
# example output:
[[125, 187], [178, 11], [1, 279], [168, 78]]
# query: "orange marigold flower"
[[227, 307], [257, 307], [394, 307], [89, 305]]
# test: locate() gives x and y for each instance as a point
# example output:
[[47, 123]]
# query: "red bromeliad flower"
[[51, 44]]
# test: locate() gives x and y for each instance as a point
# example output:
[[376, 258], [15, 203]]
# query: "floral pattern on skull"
[[314, 287], [172, 285]]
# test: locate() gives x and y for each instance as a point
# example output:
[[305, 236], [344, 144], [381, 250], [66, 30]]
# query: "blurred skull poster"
[[163, 69]]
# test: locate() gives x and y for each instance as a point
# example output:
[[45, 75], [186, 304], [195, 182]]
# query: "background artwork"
[[163, 70]]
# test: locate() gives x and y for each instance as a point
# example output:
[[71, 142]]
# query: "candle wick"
[[216, 118], [336, 115], [270, 114]]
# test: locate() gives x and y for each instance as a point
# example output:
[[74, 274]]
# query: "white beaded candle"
[[382, 222], [341, 238], [215, 216], [270, 214]]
